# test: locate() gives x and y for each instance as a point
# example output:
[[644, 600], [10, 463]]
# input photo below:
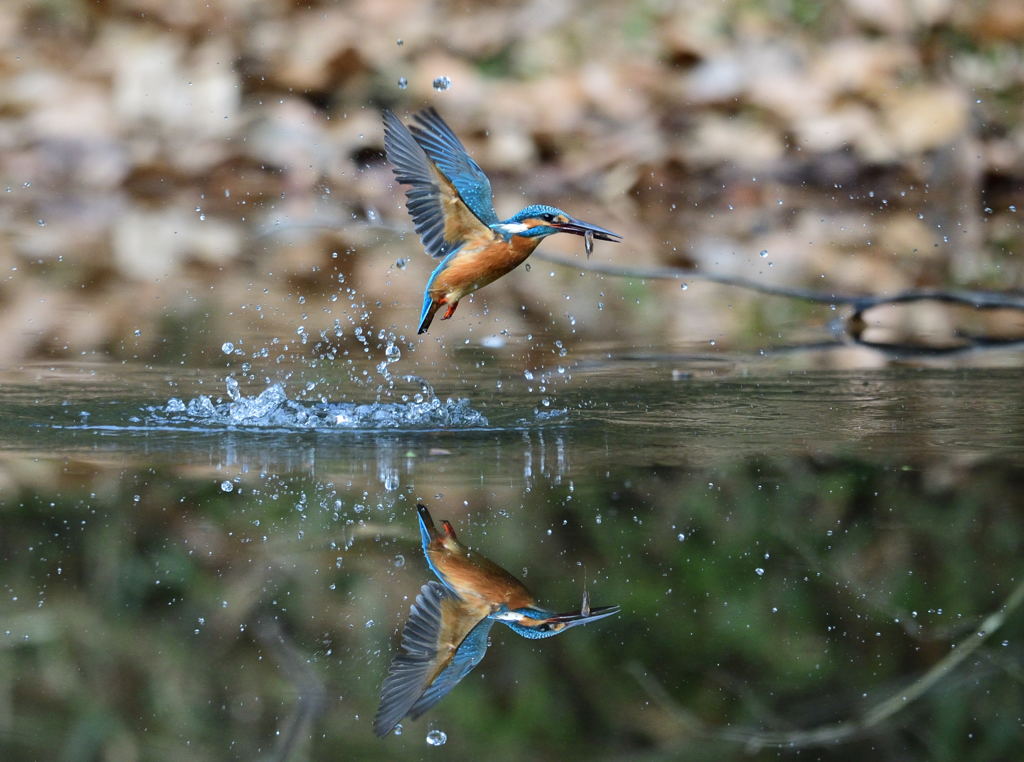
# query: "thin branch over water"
[[853, 325], [860, 303]]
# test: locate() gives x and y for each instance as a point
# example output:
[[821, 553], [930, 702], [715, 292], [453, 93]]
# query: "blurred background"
[[165, 163], [799, 525]]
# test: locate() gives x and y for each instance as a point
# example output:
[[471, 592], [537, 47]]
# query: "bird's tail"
[[427, 527], [428, 530], [429, 308]]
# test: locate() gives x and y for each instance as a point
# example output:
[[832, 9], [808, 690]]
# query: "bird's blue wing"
[[441, 216], [438, 623], [411, 668], [468, 655], [424, 199], [447, 152]]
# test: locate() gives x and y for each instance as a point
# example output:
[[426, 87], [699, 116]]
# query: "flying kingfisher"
[[450, 201], [446, 634]]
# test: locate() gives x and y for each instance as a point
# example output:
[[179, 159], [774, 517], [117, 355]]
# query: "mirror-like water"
[[194, 568]]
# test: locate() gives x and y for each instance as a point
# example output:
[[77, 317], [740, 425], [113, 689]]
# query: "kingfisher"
[[446, 634], [450, 201]]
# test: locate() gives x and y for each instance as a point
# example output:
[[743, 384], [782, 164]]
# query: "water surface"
[[791, 547]]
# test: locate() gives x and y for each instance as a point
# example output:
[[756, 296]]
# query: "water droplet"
[[684, 286], [437, 738], [227, 486], [681, 536], [227, 347], [764, 253], [399, 42], [759, 571], [137, 332], [403, 82], [41, 223], [442, 83], [399, 561]]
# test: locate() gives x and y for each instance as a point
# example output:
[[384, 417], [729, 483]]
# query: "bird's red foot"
[[448, 529], [450, 311]]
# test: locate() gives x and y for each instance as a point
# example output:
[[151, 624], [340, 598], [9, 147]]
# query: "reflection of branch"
[[969, 344], [849, 584], [847, 729], [979, 299], [311, 699]]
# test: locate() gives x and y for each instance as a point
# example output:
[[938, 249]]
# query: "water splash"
[[392, 354], [272, 408]]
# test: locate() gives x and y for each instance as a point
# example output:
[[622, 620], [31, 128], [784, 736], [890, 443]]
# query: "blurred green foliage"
[[142, 611]]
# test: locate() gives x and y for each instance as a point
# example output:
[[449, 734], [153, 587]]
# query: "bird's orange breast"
[[480, 262], [473, 575]]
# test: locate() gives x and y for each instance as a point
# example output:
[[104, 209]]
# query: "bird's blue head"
[[540, 221], [533, 623]]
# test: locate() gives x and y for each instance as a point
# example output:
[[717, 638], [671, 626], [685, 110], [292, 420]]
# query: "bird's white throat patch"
[[511, 228]]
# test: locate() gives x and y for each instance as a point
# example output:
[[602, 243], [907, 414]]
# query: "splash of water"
[[272, 408]]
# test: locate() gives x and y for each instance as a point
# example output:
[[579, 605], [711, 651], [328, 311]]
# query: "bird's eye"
[[548, 217], [544, 627]]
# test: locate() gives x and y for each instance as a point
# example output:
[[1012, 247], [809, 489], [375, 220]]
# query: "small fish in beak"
[[588, 230]]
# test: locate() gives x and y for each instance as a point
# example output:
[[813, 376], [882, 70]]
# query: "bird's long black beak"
[[579, 227], [573, 618]]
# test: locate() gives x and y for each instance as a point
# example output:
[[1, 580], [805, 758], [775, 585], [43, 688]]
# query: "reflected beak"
[[579, 227], [573, 618]]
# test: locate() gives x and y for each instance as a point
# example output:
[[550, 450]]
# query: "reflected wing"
[[438, 624], [468, 655], [448, 206]]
